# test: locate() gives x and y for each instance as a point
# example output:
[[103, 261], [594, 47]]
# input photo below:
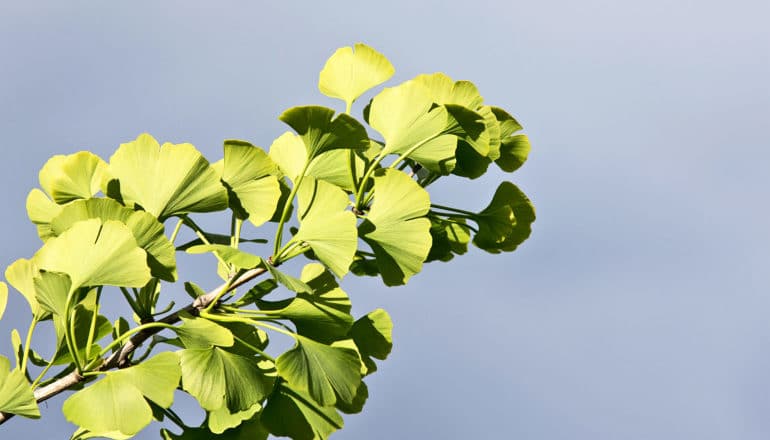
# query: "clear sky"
[[638, 309]]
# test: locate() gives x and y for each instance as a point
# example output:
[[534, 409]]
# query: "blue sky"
[[637, 310]]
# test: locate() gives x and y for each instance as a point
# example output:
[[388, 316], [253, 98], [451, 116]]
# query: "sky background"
[[639, 307]]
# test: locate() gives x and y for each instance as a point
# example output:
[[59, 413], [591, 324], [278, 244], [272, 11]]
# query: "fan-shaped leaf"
[[51, 291], [321, 131], [396, 227], [250, 177], [15, 393], [77, 176], [202, 333], [167, 180], [348, 73], [372, 334], [116, 403], [292, 413], [146, 229], [21, 275], [222, 419], [219, 378], [248, 430], [444, 90], [41, 210], [514, 151], [449, 238], [506, 221], [93, 253], [326, 225], [327, 373]]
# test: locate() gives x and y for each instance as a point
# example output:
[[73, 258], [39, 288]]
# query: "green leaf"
[[249, 175], [3, 298], [222, 419], [77, 176], [358, 403], [116, 403], [506, 222], [83, 316], [93, 253], [347, 74], [218, 378], [217, 239], [288, 281], [146, 229], [321, 131], [21, 275], [373, 334], [449, 238], [202, 333], [83, 434], [41, 210], [403, 115], [508, 125], [51, 291], [322, 312], [326, 225], [514, 151], [167, 180], [327, 373], [15, 392], [443, 90], [231, 255], [289, 153], [396, 227], [292, 413]]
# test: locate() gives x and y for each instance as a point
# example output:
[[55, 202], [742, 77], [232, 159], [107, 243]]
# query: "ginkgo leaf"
[[326, 224], [41, 210], [93, 253], [146, 229], [51, 291], [289, 153], [449, 238], [3, 298], [21, 275], [250, 177], [372, 334], [15, 392], [506, 221], [248, 430], [288, 281], [217, 378], [396, 227], [72, 177], [348, 73], [403, 115], [444, 90], [292, 413], [321, 131], [222, 419], [165, 181], [326, 373], [80, 321], [202, 333], [240, 259], [321, 312], [514, 151], [117, 403]]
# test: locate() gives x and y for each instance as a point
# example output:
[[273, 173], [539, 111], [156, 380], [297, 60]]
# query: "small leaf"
[[21, 275], [51, 291], [358, 403], [514, 151], [449, 238], [326, 225], [506, 222], [443, 90], [77, 176], [250, 176], [288, 281], [396, 227], [16, 395], [248, 430], [167, 180], [116, 403], [347, 74], [373, 334], [222, 419], [218, 378], [292, 413], [321, 131], [146, 229], [41, 210], [202, 333], [93, 253], [231, 255], [326, 373]]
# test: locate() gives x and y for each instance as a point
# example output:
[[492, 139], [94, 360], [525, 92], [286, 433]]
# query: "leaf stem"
[[199, 232], [286, 207], [224, 290], [28, 342], [449, 208], [254, 349], [92, 327], [131, 302], [177, 228]]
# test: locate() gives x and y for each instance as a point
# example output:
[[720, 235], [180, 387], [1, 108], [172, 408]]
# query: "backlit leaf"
[[321, 131], [292, 413], [231, 255], [15, 392], [396, 227], [72, 177], [41, 210], [165, 181], [349, 73]]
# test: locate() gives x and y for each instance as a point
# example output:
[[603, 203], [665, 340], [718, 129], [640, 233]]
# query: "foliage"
[[353, 203]]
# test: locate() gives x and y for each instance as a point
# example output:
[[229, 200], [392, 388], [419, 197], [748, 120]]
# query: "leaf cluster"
[[353, 195]]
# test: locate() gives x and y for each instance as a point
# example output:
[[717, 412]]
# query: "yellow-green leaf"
[[348, 73]]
